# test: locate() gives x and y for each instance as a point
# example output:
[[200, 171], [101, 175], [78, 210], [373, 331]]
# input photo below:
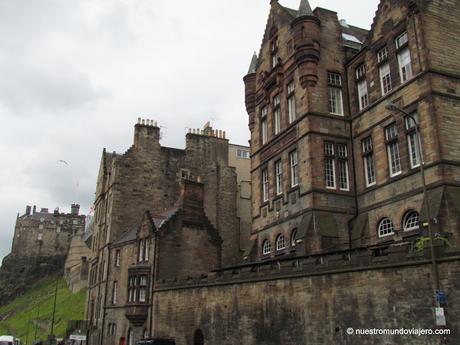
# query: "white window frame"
[[329, 165], [404, 63], [382, 55], [143, 283], [385, 227], [291, 102], [412, 141], [117, 257], [342, 156], [394, 157], [369, 162], [265, 185], [401, 40], [294, 164], [334, 81], [385, 78], [277, 114], [266, 247], [293, 235], [115, 292], [363, 95], [279, 177], [411, 220], [280, 242], [264, 125]]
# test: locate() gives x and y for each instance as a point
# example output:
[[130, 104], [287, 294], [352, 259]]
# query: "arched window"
[[293, 235], [198, 338], [410, 220], [266, 248], [280, 242], [386, 227], [130, 336]]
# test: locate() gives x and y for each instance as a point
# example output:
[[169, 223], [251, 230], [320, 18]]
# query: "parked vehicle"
[[156, 341], [9, 340]]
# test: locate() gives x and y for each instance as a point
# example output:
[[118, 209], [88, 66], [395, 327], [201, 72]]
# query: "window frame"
[[335, 94], [276, 114], [265, 185], [369, 161], [294, 167], [280, 242], [266, 247], [264, 125], [291, 102], [278, 177], [386, 84], [383, 227], [407, 218], [392, 148]]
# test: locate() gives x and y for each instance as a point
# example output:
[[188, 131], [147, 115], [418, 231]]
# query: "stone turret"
[[250, 90], [146, 134], [306, 32]]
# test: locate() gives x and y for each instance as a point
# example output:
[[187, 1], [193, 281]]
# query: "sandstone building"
[[337, 202], [162, 212]]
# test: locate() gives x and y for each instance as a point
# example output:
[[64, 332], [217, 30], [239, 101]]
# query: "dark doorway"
[[198, 338]]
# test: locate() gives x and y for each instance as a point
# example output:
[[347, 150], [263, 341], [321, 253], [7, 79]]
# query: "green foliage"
[[19, 317], [424, 241]]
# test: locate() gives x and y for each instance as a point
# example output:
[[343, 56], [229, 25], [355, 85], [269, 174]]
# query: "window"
[[385, 78], [334, 81], [386, 227], [264, 125], [130, 337], [146, 333], [265, 185], [114, 292], [291, 102], [144, 250], [117, 258], [266, 248], [394, 160], [401, 40], [412, 141], [142, 288], [342, 155], [293, 162], [410, 221], [363, 96], [40, 237], [360, 71], [382, 55], [278, 177], [242, 153], [132, 282], [280, 242], [274, 51], [137, 288], [405, 68], [329, 166], [277, 114], [369, 164], [293, 236]]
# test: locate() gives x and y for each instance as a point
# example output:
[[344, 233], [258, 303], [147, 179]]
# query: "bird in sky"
[[63, 161]]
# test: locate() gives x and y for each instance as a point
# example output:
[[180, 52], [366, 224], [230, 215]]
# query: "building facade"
[[141, 200], [337, 203], [332, 167]]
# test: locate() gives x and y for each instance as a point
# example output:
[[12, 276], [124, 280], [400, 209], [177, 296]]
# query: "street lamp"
[[434, 267]]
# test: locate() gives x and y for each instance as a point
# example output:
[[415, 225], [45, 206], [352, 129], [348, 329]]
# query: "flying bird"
[[63, 161]]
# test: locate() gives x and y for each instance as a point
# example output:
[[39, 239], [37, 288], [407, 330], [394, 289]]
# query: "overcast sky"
[[76, 75]]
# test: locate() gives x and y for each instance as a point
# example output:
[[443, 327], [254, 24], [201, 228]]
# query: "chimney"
[[34, 209], [146, 133], [74, 209], [28, 208]]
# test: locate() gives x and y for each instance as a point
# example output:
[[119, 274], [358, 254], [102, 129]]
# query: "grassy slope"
[[21, 313]]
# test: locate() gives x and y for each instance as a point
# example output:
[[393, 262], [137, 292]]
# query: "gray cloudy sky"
[[75, 75]]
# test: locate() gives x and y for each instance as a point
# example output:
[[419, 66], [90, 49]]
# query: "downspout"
[[355, 186]]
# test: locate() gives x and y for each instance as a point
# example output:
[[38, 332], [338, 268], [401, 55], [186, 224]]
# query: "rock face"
[[17, 273]]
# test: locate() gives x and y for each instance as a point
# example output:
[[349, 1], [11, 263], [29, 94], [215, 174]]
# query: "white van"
[[6, 340]]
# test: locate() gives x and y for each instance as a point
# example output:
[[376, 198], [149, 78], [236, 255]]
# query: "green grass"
[[19, 317]]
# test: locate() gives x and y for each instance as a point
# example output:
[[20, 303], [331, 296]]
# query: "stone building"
[[332, 167], [337, 202], [44, 233], [143, 202]]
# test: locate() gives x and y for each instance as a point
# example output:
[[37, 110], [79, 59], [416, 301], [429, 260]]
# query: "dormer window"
[[143, 250]]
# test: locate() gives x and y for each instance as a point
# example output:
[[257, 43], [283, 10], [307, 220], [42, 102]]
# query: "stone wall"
[[255, 307]]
